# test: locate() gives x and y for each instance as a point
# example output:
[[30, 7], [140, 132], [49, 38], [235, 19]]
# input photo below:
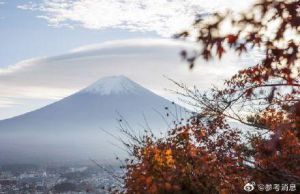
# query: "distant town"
[[32, 179]]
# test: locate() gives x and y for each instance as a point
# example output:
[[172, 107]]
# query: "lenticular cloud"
[[165, 17]]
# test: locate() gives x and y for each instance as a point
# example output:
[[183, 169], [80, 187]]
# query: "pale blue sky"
[[24, 36]]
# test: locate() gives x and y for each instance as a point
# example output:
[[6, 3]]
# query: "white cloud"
[[164, 17], [143, 60], [1, 4]]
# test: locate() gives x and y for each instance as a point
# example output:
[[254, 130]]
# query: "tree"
[[208, 154]]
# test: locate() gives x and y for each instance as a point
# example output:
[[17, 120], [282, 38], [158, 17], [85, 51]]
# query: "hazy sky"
[[40, 60]]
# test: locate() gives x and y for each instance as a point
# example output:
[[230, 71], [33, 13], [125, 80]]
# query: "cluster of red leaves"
[[181, 164], [207, 155]]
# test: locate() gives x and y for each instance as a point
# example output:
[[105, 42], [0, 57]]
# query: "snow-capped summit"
[[113, 85]]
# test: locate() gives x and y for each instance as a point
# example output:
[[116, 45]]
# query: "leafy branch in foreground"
[[209, 154]]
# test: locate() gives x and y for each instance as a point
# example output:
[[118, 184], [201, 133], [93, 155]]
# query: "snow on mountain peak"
[[112, 85]]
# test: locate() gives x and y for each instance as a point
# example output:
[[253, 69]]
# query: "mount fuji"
[[85, 125]]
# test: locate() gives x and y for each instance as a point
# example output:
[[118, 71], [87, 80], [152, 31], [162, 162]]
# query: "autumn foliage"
[[208, 154]]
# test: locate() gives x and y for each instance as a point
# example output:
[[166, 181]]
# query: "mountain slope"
[[72, 129]]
